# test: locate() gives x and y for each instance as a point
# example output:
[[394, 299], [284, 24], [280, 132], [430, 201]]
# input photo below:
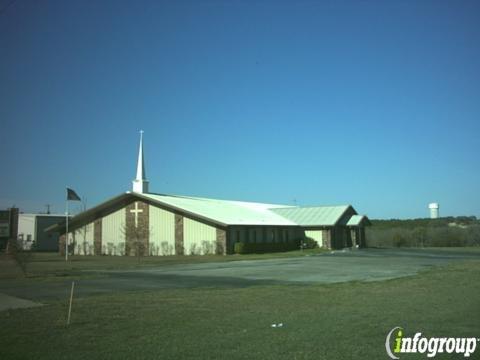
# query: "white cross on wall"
[[136, 211]]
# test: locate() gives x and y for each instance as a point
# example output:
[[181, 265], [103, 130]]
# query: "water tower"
[[434, 210]]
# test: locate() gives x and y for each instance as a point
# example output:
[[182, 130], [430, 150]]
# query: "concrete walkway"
[[8, 302]]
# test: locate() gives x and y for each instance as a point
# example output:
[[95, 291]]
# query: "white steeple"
[[140, 184]]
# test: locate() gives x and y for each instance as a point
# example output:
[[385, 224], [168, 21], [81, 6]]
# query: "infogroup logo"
[[431, 346]]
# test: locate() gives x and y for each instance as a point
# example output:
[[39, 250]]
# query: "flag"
[[72, 195]]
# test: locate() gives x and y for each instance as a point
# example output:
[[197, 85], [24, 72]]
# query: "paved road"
[[338, 266]]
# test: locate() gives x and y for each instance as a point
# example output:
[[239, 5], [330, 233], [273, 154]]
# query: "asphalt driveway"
[[338, 266]]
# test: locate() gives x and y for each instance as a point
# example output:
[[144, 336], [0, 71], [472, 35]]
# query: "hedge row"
[[442, 236], [259, 248]]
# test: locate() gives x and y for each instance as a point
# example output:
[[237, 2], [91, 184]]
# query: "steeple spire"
[[140, 184]]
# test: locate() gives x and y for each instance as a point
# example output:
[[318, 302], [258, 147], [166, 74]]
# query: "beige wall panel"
[[162, 231], [84, 240], [315, 235], [198, 238], [71, 240], [113, 233]]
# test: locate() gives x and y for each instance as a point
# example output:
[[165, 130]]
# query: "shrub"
[[208, 247], [442, 236], [399, 240], [220, 248], [309, 243]]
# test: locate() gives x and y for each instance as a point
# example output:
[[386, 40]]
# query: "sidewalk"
[[10, 302]]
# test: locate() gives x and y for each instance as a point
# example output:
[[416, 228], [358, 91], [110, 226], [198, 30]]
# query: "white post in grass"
[[70, 305]]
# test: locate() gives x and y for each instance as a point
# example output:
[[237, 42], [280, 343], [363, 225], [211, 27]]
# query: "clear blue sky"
[[372, 103]]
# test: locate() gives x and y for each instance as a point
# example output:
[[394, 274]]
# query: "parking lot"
[[334, 267]]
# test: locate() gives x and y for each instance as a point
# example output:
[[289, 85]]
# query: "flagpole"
[[66, 230], [71, 195]]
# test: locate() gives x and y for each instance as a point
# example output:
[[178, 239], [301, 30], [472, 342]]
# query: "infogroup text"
[[429, 346]]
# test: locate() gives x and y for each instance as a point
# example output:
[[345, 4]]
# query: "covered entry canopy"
[[323, 216], [359, 220]]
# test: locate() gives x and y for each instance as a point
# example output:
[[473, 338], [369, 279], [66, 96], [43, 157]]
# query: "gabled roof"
[[223, 211], [356, 220], [313, 215]]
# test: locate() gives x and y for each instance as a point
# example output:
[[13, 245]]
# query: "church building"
[[139, 222]]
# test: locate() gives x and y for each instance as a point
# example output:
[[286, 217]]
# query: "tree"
[[420, 235], [136, 239], [82, 232], [20, 256]]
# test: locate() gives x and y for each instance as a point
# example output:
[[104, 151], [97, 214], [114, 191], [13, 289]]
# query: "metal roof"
[[224, 211], [356, 220], [314, 215], [41, 214]]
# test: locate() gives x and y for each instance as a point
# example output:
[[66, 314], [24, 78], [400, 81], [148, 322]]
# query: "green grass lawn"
[[339, 321]]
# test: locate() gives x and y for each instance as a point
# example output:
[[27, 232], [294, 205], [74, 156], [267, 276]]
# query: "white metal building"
[[31, 230], [158, 224]]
